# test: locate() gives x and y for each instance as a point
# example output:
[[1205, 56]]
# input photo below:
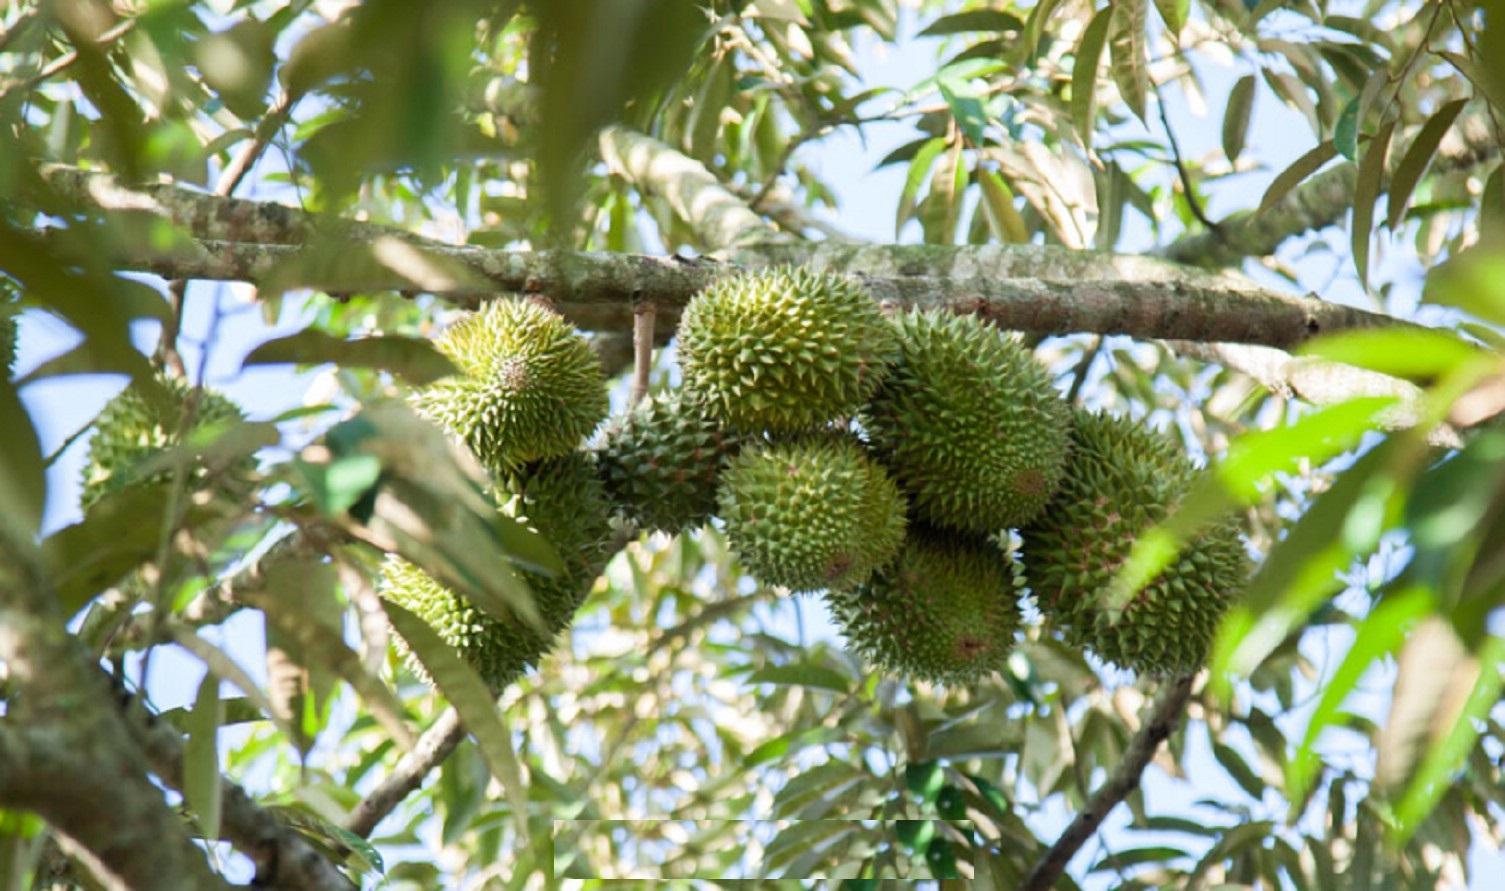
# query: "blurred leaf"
[[1416, 159], [237, 63], [966, 106], [1131, 857], [919, 168], [202, 786], [1131, 64], [1175, 13], [468, 694], [23, 478], [1417, 354], [973, 20], [1299, 170], [413, 359], [1346, 130], [1239, 769], [337, 486], [1236, 117], [925, 779], [1473, 281], [1089, 53], [1366, 193], [998, 203], [802, 675]]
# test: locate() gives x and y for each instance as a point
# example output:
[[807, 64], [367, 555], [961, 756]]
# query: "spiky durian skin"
[[564, 501], [810, 514], [529, 387], [1122, 480], [132, 429], [784, 350], [944, 610], [662, 460], [969, 423]]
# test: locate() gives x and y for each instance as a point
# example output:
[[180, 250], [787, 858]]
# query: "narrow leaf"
[[1366, 193], [1089, 53], [919, 168], [1236, 118], [802, 676], [1174, 12], [1131, 67], [469, 695], [1416, 159], [1003, 217], [1299, 170], [1418, 354], [973, 20], [202, 787], [413, 359]]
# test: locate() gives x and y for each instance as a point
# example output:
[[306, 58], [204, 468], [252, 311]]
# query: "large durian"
[[945, 610], [969, 423], [564, 501], [784, 350], [138, 425], [810, 514], [1122, 480], [529, 386], [662, 461]]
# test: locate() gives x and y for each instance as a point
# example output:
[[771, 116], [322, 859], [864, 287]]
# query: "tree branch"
[[432, 748], [1320, 201], [1125, 779]]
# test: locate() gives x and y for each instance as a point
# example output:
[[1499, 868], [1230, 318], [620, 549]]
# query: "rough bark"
[[433, 747]]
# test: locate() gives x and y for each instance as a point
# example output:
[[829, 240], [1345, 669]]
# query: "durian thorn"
[[644, 316]]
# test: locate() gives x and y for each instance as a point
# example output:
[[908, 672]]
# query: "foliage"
[[694, 725]]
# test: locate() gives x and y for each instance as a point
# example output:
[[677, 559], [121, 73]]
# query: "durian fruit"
[[1122, 480], [661, 463], [564, 501], [529, 386], [135, 427], [969, 423], [783, 350], [810, 514], [945, 610]]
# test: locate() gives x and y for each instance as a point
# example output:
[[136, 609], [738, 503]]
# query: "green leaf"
[[1414, 163], [1131, 66], [1089, 53], [413, 359], [782, 745], [336, 486], [1366, 193], [802, 675], [469, 695], [973, 20], [1255, 457], [1418, 354], [1174, 12], [925, 779], [1130, 857], [1376, 636], [1239, 769], [1346, 131], [966, 107], [998, 203], [23, 478], [202, 786], [1236, 118], [919, 168], [1473, 281], [1299, 170]]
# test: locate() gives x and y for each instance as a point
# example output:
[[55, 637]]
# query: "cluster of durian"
[[884, 459]]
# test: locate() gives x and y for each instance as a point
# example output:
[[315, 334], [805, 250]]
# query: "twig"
[[644, 314], [1142, 748], [1186, 185], [66, 60], [433, 747], [1079, 377]]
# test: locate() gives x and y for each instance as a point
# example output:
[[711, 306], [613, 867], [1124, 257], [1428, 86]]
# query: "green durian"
[[784, 350], [529, 386], [1122, 480], [969, 423], [810, 514], [945, 609], [662, 460], [135, 427], [563, 500]]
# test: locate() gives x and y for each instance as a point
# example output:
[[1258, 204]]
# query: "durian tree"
[[521, 460]]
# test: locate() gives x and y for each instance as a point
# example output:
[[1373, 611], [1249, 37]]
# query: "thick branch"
[[1030, 288], [283, 858], [1125, 779], [1320, 201], [433, 747]]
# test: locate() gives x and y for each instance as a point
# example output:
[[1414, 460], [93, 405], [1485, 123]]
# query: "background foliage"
[[694, 725]]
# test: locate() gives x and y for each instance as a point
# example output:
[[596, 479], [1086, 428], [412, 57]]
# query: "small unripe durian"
[[945, 610], [563, 500], [529, 387], [1123, 479], [811, 514], [135, 427], [661, 463], [969, 423], [784, 350]]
